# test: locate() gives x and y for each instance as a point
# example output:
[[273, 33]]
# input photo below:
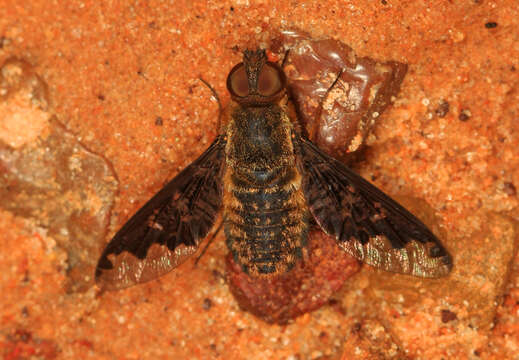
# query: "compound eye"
[[269, 81], [238, 82]]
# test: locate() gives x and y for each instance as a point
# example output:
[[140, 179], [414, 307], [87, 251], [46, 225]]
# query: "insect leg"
[[215, 94], [285, 58], [315, 125], [213, 236]]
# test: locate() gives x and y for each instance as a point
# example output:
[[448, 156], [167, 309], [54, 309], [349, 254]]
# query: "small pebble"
[[465, 114], [442, 109], [509, 189], [448, 315], [207, 304]]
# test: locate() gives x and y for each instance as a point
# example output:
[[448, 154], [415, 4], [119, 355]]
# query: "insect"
[[272, 184]]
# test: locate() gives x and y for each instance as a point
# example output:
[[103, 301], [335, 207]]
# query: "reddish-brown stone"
[[308, 286], [339, 95]]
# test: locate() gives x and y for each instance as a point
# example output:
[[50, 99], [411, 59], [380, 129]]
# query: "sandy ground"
[[110, 107]]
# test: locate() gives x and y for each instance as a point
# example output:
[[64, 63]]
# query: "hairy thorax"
[[265, 215]]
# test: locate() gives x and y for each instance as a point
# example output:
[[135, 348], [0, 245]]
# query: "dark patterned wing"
[[367, 223], [169, 227]]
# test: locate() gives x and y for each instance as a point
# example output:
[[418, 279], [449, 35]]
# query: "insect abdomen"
[[266, 220]]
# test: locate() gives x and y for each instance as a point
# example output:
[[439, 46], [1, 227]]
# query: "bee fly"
[[272, 185]]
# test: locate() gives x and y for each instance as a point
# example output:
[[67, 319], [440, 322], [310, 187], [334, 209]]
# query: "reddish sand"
[[113, 68]]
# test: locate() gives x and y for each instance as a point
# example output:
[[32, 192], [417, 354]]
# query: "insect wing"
[[367, 223], [169, 227]]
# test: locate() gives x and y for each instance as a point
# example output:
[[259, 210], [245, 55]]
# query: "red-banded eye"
[[269, 81], [237, 82]]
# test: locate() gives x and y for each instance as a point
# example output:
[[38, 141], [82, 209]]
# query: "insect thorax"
[[266, 219]]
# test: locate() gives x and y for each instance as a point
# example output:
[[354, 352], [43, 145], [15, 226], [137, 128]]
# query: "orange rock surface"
[[112, 69]]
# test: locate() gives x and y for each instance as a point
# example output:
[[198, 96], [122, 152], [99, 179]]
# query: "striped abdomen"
[[266, 219]]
